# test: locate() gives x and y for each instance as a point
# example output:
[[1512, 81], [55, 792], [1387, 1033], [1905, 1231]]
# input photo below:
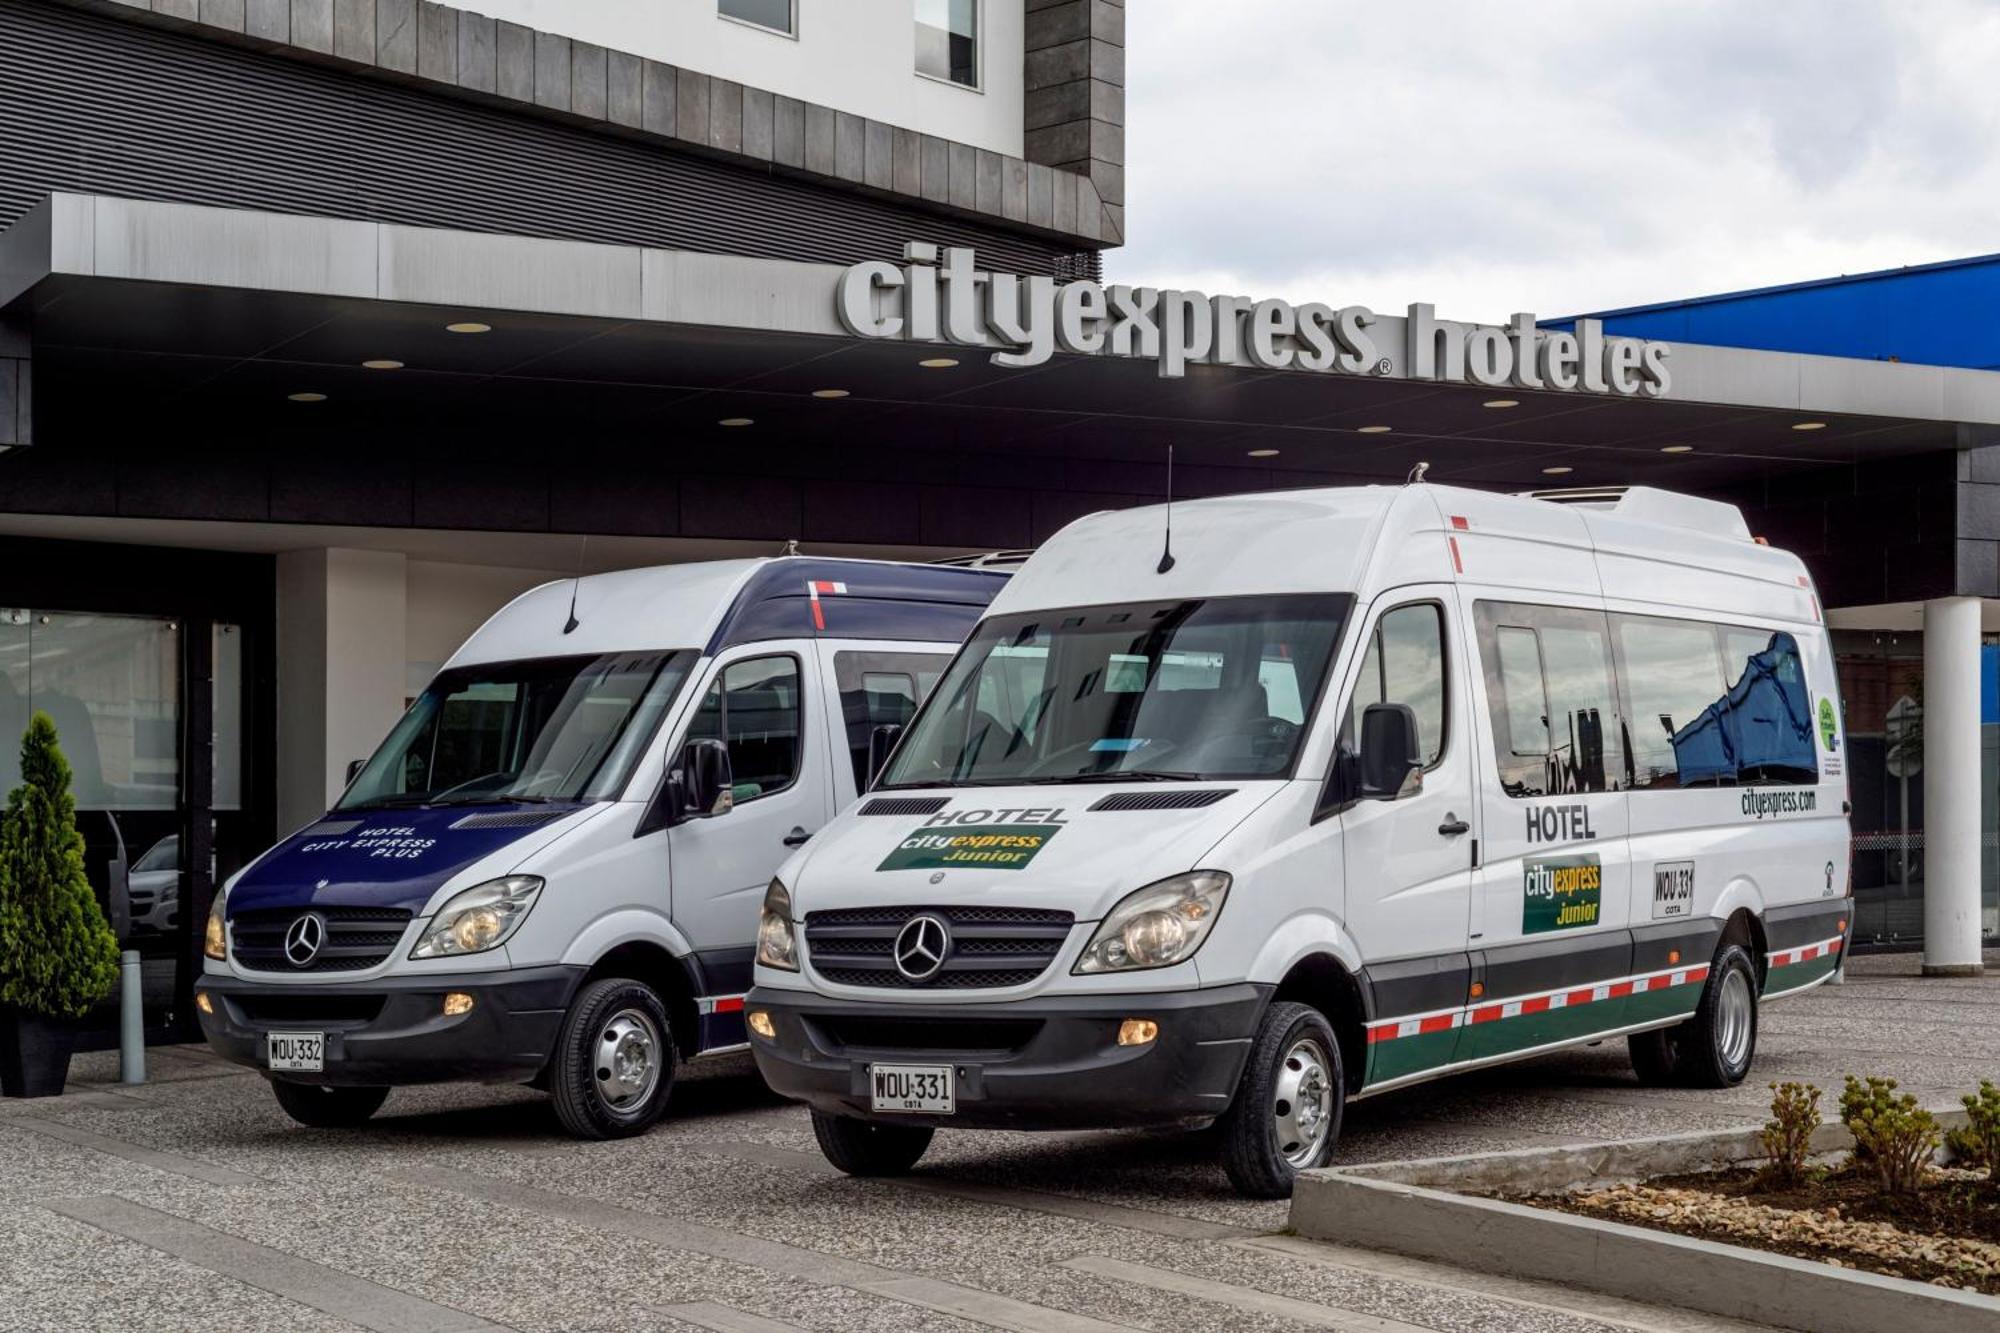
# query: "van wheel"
[[613, 1067], [868, 1147], [323, 1107], [1715, 1047], [1286, 1114], [1656, 1056]]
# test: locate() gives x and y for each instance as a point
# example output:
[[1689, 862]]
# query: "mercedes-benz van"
[[550, 871], [1326, 793]]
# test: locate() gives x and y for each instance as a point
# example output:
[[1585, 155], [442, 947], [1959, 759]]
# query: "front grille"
[[991, 947], [946, 1036], [356, 937], [321, 1010]]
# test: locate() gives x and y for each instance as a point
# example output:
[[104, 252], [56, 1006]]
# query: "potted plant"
[[58, 956]]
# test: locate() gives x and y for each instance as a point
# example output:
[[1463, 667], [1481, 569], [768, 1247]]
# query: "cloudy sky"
[[1550, 155]]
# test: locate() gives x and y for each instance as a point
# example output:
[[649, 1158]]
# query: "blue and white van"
[[550, 871]]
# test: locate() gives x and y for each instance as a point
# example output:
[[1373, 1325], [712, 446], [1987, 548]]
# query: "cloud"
[[1555, 156]]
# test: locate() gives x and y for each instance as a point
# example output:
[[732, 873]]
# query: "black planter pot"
[[34, 1052]]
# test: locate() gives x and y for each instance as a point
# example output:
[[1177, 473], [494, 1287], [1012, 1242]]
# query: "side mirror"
[[1389, 753], [354, 767], [880, 742], [704, 783]]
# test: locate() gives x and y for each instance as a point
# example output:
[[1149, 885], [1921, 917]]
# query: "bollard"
[[131, 1020]]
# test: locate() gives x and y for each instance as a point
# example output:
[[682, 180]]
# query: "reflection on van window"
[[1195, 689], [880, 690], [1404, 664], [753, 709], [1548, 683], [1757, 730], [550, 729]]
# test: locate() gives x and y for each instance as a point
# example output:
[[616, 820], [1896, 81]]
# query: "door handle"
[[1453, 826], [797, 838]]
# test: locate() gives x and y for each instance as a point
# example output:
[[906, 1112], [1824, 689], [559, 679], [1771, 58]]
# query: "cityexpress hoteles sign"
[[1032, 318]]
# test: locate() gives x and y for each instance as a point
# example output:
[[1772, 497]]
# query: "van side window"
[[1766, 717], [753, 708], [878, 690], [1549, 688], [1403, 664], [1672, 678]]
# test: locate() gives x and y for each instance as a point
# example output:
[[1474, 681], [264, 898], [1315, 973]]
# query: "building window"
[[776, 15], [948, 41]]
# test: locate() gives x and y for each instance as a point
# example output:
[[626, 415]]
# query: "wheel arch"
[[671, 977], [1322, 981]]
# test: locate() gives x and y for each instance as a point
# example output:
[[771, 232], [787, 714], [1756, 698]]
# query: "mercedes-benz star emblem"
[[922, 946], [305, 938]]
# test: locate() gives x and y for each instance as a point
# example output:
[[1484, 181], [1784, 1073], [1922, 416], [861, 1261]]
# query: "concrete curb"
[[1412, 1208]]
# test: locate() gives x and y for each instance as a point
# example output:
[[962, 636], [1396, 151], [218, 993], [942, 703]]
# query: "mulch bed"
[[1948, 1233]]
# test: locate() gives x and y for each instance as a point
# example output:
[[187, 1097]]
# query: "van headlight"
[[480, 918], [1158, 926], [777, 946], [214, 942]]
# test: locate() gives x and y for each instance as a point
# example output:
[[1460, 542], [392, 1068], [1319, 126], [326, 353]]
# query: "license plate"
[[923, 1089], [303, 1052]]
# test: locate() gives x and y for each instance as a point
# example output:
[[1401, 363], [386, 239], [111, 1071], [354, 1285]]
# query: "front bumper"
[[1046, 1063], [393, 1030]]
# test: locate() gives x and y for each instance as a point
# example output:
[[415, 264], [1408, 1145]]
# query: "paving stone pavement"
[[192, 1202]]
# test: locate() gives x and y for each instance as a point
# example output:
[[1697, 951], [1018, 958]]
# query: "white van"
[[550, 871], [1343, 790]]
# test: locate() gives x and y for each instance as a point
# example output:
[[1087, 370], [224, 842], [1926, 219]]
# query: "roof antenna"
[[1167, 549], [576, 582], [1417, 474]]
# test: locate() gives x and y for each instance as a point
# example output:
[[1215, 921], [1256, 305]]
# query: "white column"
[[341, 669], [1951, 787]]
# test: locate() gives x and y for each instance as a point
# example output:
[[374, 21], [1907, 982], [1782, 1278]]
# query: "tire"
[[1656, 1056], [1714, 1049], [323, 1107], [869, 1147], [1266, 1140], [614, 1063]]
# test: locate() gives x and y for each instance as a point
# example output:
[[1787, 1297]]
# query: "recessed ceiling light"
[[1808, 425], [1374, 430], [1557, 471], [736, 421], [829, 393], [307, 397], [468, 326], [1501, 402], [1263, 453], [382, 363], [1676, 448], [938, 362]]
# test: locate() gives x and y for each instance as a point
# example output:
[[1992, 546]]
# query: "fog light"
[[761, 1024], [1137, 1031], [203, 1003], [457, 1002]]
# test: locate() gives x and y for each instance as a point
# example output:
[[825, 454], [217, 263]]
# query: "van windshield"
[[1216, 688], [546, 729]]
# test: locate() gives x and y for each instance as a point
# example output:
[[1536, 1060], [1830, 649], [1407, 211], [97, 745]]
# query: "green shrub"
[[1977, 1142], [57, 953], [1893, 1133], [1788, 1134]]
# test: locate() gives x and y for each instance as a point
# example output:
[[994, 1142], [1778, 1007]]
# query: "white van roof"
[[1639, 545]]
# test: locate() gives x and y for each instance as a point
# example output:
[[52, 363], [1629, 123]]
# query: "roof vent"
[[906, 805], [988, 560], [1163, 800], [1649, 504]]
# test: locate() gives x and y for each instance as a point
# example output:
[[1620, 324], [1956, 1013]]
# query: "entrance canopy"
[[319, 350]]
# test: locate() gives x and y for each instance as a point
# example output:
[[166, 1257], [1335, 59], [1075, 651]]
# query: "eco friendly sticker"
[[1829, 728], [1560, 893], [991, 846]]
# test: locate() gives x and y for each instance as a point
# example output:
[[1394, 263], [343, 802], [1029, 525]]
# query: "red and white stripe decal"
[[1805, 953], [814, 587], [1492, 1011], [719, 1004], [1457, 562]]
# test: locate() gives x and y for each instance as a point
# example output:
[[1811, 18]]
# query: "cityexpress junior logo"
[[988, 839], [1561, 893]]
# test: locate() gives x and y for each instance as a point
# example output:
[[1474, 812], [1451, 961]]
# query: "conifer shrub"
[[57, 953]]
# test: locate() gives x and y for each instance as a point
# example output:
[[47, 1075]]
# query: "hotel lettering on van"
[[928, 299]]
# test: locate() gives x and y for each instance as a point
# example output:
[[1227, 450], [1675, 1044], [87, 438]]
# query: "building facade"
[[328, 326]]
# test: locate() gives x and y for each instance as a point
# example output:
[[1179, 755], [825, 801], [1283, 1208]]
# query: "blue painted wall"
[[1936, 314]]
